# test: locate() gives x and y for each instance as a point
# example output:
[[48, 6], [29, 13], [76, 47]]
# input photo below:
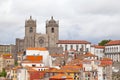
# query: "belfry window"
[[52, 30], [31, 29]]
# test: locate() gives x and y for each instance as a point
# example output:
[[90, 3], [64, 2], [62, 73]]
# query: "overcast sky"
[[91, 20]]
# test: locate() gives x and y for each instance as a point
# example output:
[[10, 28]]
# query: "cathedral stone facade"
[[33, 39]]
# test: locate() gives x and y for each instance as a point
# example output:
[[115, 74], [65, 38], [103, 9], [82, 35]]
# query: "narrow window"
[[31, 29], [65, 47], [71, 46], [52, 30], [60, 45], [76, 47], [33, 65]]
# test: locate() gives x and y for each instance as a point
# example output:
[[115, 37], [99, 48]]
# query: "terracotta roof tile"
[[88, 54], [72, 67], [100, 47], [41, 49], [61, 76], [26, 61], [73, 42], [113, 42], [34, 58], [107, 59], [7, 56]]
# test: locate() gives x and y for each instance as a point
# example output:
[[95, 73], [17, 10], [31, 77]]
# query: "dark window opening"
[[76, 47], [52, 30], [31, 29], [33, 65], [65, 47], [71, 46], [60, 45]]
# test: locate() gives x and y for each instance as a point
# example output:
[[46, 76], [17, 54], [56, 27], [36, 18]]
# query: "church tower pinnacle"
[[30, 31], [52, 29]]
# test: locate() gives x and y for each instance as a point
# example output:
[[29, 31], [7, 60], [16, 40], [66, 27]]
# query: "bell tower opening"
[[52, 30], [31, 30]]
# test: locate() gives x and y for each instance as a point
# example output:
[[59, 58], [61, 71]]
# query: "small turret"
[[30, 22]]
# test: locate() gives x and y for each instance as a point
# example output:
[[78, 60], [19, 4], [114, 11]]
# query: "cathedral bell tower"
[[52, 30], [30, 31]]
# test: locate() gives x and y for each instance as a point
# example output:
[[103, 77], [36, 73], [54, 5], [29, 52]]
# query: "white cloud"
[[91, 20]]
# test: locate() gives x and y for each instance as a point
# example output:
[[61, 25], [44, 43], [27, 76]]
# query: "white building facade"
[[78, 45], [39, 52], [98, 51], [112, 50]]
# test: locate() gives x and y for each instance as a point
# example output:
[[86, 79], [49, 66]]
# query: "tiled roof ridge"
[[38, 48], [113, 42], [101, 47], [73, 42]]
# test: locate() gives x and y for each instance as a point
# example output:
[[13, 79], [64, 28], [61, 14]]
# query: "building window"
[[76, 47], [31, 29], [33, 65], [60, 45], [65, 47], [117, 49], [87, 49], [52, 30], [82, 47], [71, 46]]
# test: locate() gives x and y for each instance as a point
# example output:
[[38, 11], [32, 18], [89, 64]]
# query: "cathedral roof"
[[73, 42]]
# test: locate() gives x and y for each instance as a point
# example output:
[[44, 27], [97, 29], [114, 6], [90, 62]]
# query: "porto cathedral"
[[33, 39]]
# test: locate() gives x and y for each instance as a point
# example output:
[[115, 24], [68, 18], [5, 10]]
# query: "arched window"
[[52, 30], [31, 29]]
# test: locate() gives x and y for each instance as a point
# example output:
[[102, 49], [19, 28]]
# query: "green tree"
[[16, 63], [103, 42], [3, 73]]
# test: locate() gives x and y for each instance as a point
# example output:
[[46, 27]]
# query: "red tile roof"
[[73, 42], [99, 47], [72, 67], [7, 56], [61, 77], [36, 75], [106, 61], [88, 54], [34, 58], [113, 42], [36, 62], [41, 49]]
